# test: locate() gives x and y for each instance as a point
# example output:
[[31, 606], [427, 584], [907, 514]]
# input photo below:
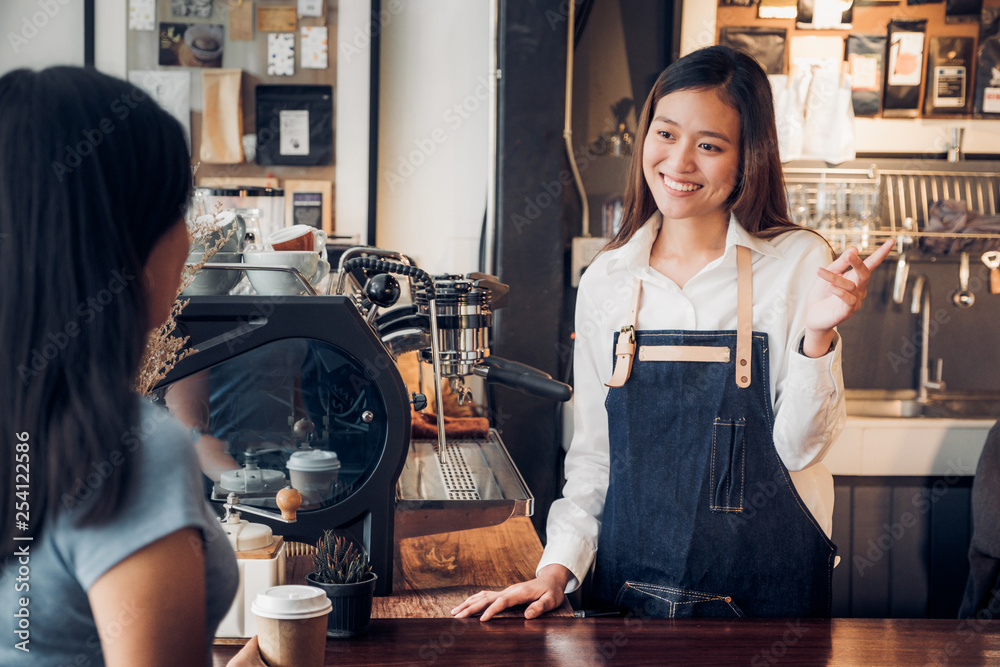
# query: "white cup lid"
[[291, 602], [313, 459]]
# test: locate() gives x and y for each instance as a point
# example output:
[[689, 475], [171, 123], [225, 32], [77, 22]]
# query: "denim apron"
[[701, 517]]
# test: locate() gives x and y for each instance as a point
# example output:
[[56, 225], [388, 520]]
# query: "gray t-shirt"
[[64, 562]]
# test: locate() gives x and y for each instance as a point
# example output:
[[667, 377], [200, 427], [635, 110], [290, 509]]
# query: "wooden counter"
[[433, 574], [634, 641]]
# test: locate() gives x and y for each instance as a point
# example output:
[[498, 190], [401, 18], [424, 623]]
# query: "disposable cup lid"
[[291, 602], [314, 460]]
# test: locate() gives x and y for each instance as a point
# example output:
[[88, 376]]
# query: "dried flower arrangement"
[[164, 349]]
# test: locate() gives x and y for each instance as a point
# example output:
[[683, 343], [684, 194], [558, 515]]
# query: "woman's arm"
[[188, 399], [573, 524], [809, 387], [150, 607]]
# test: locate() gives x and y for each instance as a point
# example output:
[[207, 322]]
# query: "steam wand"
[[374, 264]]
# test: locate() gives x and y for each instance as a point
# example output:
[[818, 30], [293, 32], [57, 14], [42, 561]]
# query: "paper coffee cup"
[[291, 625], [314, 473]]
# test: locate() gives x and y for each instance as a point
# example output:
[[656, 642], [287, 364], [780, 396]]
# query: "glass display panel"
[[296, 412]]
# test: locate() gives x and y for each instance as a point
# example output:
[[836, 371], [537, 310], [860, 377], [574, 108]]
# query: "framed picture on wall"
[[309, 203]]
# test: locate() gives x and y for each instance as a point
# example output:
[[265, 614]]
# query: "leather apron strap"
[[744, 315], [625, 348]]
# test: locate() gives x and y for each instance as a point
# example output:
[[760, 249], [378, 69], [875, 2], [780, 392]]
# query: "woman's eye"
[[666, 135], [709, 147]]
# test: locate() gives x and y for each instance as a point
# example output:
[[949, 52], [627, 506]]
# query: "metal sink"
[[904, 403]]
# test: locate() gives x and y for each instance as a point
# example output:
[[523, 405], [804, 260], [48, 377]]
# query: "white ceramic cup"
[[213, 281], [275, 283], [314, 474], [298, 237], [291, 625]]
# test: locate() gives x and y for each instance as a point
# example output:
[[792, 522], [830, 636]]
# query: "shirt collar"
[[636, 252]]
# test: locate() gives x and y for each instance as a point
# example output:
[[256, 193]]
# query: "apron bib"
[[701, 517]]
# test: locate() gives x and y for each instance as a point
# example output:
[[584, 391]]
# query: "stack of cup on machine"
[[300, 247]]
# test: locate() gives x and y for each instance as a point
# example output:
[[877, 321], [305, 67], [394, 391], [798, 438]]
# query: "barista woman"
[[708, 379], [108, 552]]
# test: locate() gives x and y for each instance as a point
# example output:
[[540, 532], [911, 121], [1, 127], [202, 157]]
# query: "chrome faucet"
[[921, 303]]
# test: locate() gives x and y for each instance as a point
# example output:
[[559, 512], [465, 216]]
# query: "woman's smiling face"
[[691, 155]]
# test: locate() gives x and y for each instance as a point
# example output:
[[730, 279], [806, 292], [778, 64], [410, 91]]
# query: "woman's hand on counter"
[[839, 293], [543, 593], [249, 656]]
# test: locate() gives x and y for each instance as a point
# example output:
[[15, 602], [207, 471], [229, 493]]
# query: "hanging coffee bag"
[[987, 95], [767, 45], [294, 124], [865, 54], [905, 68], [949, 61], [222, 117]]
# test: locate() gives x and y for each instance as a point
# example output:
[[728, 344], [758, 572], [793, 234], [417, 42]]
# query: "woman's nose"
[[682, 157]]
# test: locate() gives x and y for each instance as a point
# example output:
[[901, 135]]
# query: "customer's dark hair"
[[92, 174], [758, 199]]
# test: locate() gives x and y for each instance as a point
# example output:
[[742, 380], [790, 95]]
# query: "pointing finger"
[[876, 257]]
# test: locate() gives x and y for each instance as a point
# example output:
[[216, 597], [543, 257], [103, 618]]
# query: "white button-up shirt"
[[807, 394]]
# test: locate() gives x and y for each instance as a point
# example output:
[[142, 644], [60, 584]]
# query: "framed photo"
[[309, 203]]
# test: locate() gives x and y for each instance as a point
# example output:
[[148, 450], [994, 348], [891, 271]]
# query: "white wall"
[[433, 115], [40, 33], [873, 135]]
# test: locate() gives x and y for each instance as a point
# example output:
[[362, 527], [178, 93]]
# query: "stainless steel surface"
[[259, 267], [905, 403], [438, 393], [478, 485], [963, 297], [922, 304]]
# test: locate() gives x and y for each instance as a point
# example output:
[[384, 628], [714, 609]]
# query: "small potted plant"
[[343, 571]]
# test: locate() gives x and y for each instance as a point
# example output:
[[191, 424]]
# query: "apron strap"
[[744, 315], [625, 350]]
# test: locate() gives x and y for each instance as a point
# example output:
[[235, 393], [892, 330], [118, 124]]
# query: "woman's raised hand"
[[541, 594], [839, 293]]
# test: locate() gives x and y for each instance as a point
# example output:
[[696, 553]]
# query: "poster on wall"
[[199, 9], [191, 45], [962, 11]]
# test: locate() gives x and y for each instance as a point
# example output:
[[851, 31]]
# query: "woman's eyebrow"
[[703, 133]]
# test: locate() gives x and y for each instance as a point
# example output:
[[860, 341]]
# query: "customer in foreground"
[[707, 375], [108, 552]]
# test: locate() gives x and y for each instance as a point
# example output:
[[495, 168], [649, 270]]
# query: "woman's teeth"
[[682, 187]]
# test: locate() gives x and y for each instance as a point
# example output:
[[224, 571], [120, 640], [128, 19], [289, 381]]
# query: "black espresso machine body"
[[295, 385]]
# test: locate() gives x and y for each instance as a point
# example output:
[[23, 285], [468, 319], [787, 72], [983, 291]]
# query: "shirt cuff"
[[816, 375], [571, 554]]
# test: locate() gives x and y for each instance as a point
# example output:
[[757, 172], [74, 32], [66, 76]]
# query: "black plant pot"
[[352, 606]]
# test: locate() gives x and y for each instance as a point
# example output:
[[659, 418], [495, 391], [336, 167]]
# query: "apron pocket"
[[653, 601], [728, 465]]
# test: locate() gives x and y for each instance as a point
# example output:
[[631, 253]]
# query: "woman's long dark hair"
[[92, 174], [758, 199]]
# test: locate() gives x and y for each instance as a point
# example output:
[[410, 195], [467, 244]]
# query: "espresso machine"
[[304, 391]]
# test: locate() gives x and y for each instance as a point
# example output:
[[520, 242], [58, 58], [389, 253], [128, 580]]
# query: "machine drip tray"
[[478, 485]]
